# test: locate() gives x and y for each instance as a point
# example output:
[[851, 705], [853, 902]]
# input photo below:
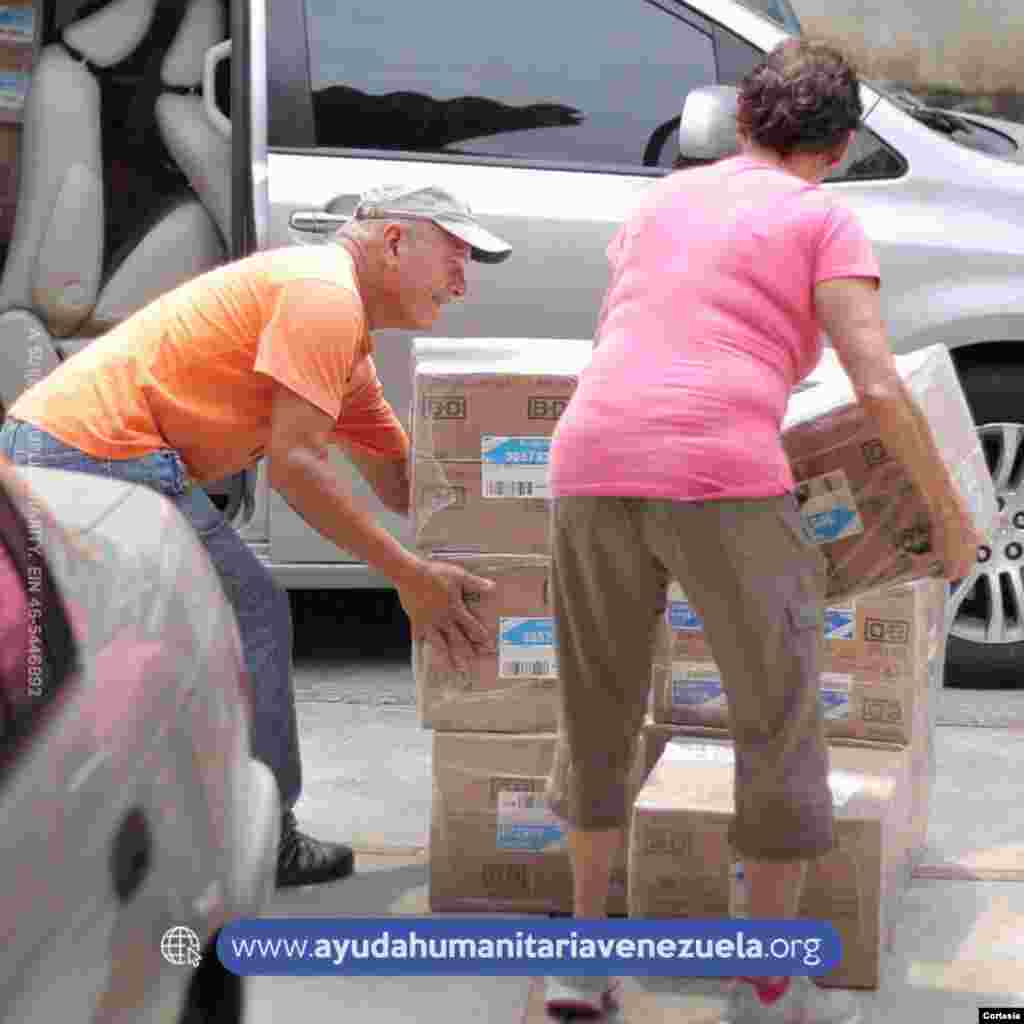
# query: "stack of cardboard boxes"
[[482, 420], [884, 655], [884, 645]]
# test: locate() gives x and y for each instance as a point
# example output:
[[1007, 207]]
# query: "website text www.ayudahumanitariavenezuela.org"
[[523, 946]]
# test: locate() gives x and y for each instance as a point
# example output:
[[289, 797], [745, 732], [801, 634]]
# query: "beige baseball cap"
[[433, 204]]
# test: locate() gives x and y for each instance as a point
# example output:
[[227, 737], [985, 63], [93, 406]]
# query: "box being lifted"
[[857, 501]]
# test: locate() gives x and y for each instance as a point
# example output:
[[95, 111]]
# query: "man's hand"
[[433, 598]]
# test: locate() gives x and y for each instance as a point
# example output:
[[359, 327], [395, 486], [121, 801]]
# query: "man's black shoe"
[[302, 860]]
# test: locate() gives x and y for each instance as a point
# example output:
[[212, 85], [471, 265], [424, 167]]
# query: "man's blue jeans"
[[261, 606]]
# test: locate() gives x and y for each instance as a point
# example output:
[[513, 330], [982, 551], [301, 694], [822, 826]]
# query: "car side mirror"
[[707, 127]]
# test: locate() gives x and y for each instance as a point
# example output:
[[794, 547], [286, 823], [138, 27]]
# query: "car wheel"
[[986, 640], [215, 995]]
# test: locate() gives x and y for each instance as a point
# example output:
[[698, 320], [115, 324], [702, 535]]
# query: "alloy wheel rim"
[[988, 606]]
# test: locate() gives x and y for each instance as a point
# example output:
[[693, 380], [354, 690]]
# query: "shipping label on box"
[[513, 689], [857, 501], [835, 696], [697, 686], [526, 823], [839, 624], [829, 508], [514, 468], [526, 647], [451, 513]]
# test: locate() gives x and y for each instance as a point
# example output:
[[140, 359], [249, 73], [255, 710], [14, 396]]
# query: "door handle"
[[316, 221], [131, 855]]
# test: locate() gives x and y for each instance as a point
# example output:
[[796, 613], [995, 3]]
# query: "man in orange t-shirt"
[[272, 356]]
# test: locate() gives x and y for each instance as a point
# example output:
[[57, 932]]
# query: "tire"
[[215, 995], [995, 394]]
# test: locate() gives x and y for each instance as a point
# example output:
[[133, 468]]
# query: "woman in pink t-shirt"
[[668, 464]]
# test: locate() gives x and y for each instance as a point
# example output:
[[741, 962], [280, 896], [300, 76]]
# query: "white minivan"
[[164, 136]]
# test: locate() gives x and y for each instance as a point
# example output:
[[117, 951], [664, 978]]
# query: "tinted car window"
[[736, 57], [780, 11], [572, 82], [867, 159]]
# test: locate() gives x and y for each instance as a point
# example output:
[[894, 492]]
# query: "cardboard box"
[[681, 635], [494, 845], [515, 689], [452, 513], [16, 64], [857, 501], [879, 650], [453, 412], [10, 150], [921, 751], [680, 855], [463, 390]]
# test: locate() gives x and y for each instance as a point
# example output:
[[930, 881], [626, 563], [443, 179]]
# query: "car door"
[[550, 120], [243, 84]]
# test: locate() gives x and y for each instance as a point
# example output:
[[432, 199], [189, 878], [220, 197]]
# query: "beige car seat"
[[60, 287]]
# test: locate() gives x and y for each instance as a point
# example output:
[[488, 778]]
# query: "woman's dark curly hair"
[[803, 98]]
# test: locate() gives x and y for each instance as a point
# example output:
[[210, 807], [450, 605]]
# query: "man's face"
[[431, 272]]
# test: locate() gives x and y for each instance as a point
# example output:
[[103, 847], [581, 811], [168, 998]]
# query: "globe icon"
[[180, 946]]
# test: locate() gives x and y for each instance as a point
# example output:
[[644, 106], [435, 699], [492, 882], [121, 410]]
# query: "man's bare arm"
[[298, 467], [431, 593], [389, 478]]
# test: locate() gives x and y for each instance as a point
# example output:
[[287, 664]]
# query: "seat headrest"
[[112, 33], [707, 129], [202, 27]]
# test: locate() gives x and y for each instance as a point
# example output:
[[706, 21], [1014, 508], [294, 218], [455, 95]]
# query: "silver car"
[[551, 120], [135, 822]]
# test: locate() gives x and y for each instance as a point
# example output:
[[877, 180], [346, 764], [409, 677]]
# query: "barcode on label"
[[527, 668], [510, 488]]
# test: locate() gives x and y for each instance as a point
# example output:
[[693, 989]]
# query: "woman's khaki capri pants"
[[759, 587]]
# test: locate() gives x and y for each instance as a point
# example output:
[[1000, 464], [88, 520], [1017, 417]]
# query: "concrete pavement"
[[958, 946]]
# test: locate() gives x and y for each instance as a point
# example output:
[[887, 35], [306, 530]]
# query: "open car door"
[[132, 177], [245, 124]]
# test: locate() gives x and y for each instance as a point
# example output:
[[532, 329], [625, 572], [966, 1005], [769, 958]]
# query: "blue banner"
[[719, 947]]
